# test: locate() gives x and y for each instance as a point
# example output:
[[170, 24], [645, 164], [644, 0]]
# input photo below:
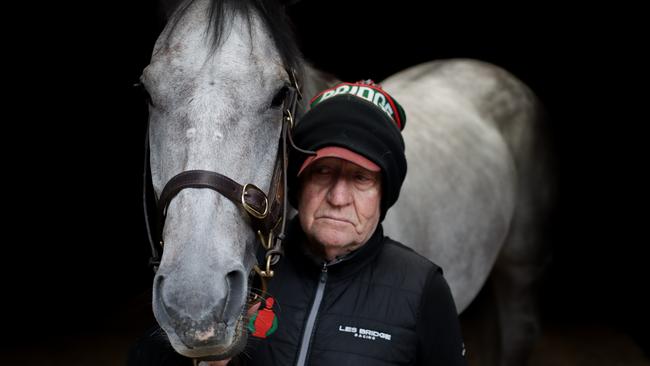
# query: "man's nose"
[[340, 194]]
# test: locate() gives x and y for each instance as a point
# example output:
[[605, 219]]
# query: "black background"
[[76, 250]]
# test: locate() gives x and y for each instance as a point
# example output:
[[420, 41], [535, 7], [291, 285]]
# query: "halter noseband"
[[268, 214]]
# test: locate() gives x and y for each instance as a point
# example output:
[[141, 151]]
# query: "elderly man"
[[344, 293]]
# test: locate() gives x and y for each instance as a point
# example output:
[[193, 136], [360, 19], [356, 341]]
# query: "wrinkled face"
[[339, 205], [217, 112]]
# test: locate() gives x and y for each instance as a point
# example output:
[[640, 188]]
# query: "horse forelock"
[[216, 16]]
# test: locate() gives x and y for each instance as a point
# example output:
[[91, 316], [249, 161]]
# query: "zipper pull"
[[323, 273]]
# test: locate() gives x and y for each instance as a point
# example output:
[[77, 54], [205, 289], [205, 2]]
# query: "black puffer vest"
[[364, 309]]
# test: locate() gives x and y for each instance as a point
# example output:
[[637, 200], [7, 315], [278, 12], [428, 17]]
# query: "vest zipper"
[[311, 318]]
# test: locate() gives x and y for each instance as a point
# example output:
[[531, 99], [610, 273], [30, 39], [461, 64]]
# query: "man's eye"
[[362, 178], [322, 170]]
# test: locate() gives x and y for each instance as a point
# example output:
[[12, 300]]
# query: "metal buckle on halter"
[[268, 273], [266, 243], [250, 209]]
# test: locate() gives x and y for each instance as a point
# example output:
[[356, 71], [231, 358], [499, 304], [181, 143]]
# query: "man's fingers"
[[214, 363], [250, 311]]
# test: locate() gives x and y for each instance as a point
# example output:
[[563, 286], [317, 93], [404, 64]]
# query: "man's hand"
[[250, 311], [214, 363]]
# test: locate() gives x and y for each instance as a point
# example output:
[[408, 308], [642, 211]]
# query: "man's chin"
[[333, 238], [332, 245]]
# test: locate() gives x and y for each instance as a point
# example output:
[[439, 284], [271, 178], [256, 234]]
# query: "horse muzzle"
[[202, 322]]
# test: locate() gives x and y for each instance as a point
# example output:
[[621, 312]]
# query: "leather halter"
[[268, 214]]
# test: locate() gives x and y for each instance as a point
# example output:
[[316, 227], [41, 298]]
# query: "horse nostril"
[[236, 296], [157, 285], [159, 301]]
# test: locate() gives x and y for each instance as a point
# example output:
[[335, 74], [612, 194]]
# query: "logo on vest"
[[263, 323], [364, 333]]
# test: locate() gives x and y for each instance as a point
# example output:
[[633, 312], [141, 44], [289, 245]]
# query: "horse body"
[[478, 189], [467, 201], [460, 188]]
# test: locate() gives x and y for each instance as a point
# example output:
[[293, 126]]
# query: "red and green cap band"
[[369, 91]]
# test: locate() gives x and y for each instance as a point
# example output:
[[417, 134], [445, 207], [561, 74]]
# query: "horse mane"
[[272, 13]]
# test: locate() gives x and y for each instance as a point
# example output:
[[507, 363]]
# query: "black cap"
[[362, 118]]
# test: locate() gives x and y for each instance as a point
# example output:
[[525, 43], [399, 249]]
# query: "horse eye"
[[278, 99], [139, 86]]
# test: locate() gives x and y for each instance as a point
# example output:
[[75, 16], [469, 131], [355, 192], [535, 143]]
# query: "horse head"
[[217, 81]]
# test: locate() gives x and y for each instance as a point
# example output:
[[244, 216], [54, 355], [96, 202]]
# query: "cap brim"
[[340, 153]]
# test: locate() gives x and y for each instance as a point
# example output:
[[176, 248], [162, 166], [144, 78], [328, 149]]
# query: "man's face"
[[339, 205]]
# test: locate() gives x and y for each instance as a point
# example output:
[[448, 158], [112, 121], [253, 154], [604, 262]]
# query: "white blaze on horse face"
[[210, 112]]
